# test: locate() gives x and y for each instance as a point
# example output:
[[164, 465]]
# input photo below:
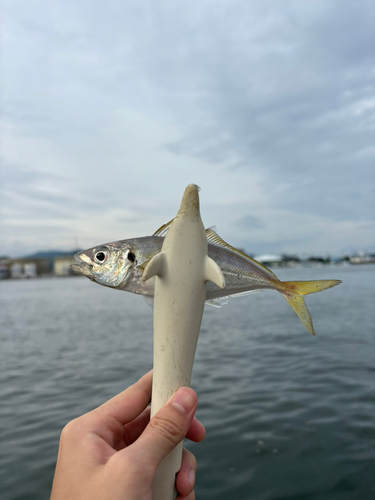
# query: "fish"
[[120, 265]]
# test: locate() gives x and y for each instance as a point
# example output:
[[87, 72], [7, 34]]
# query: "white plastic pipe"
[[182, 269]]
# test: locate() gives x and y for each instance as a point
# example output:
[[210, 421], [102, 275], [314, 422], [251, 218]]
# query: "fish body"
[[121, 264]]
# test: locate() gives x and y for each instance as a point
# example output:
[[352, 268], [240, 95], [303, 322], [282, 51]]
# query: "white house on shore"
[[61, 265], [269, 259]]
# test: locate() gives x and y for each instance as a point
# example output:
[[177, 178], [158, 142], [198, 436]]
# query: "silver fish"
[[120, 265]]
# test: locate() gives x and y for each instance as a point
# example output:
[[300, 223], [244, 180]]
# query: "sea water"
[[288, 415]]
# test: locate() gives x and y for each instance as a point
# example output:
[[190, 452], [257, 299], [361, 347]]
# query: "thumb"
[[167, 428]]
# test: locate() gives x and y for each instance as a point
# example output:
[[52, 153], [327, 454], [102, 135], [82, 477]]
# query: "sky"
[[109, 109]]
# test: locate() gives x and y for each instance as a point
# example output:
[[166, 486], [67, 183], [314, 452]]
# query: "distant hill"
[[50, 255]]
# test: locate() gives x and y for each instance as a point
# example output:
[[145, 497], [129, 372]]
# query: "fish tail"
[[293, 292]]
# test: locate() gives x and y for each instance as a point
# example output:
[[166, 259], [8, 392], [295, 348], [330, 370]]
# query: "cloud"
[[249, 222], [109, 111]]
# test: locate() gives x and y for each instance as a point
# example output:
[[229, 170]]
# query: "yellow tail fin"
[[293, 292]]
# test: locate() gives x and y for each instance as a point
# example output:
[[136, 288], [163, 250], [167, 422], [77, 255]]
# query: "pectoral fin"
[[212, 272], [155, 267]]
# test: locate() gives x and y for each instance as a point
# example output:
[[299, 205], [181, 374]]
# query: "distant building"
[[362, 258], [269, 260], [61, 265], [24, 268], [4, 268], [291, 260]]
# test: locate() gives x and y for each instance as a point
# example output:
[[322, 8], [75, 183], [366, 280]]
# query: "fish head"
[[109, 265]]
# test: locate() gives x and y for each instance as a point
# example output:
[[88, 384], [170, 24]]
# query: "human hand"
[[112, 452]]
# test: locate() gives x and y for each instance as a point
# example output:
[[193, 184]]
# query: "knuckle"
[[170, 429], [189, 459], [71, 430]]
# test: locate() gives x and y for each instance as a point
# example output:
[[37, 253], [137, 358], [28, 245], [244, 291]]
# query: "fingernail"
[[183, 400], [191, 477]]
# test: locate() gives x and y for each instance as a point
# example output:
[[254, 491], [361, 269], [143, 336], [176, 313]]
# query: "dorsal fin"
[[162, 231], [214, 239]]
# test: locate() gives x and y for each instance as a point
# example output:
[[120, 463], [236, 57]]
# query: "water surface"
[[288, 415]]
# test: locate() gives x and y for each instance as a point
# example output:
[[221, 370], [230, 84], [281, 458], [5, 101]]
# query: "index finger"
[[127, 405]]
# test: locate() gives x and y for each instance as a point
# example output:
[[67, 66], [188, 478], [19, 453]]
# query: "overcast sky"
[[109, 109]]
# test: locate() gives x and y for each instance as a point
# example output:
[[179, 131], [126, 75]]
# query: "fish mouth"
[[81, 266], [76, 268]]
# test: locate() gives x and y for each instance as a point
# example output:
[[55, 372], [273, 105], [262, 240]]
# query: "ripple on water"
[[288, 416]]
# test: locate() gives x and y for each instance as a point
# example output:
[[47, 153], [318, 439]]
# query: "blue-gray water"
[[288, 415]]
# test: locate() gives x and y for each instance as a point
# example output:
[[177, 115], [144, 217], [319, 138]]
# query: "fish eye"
[[101, 256], [131, 256]]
